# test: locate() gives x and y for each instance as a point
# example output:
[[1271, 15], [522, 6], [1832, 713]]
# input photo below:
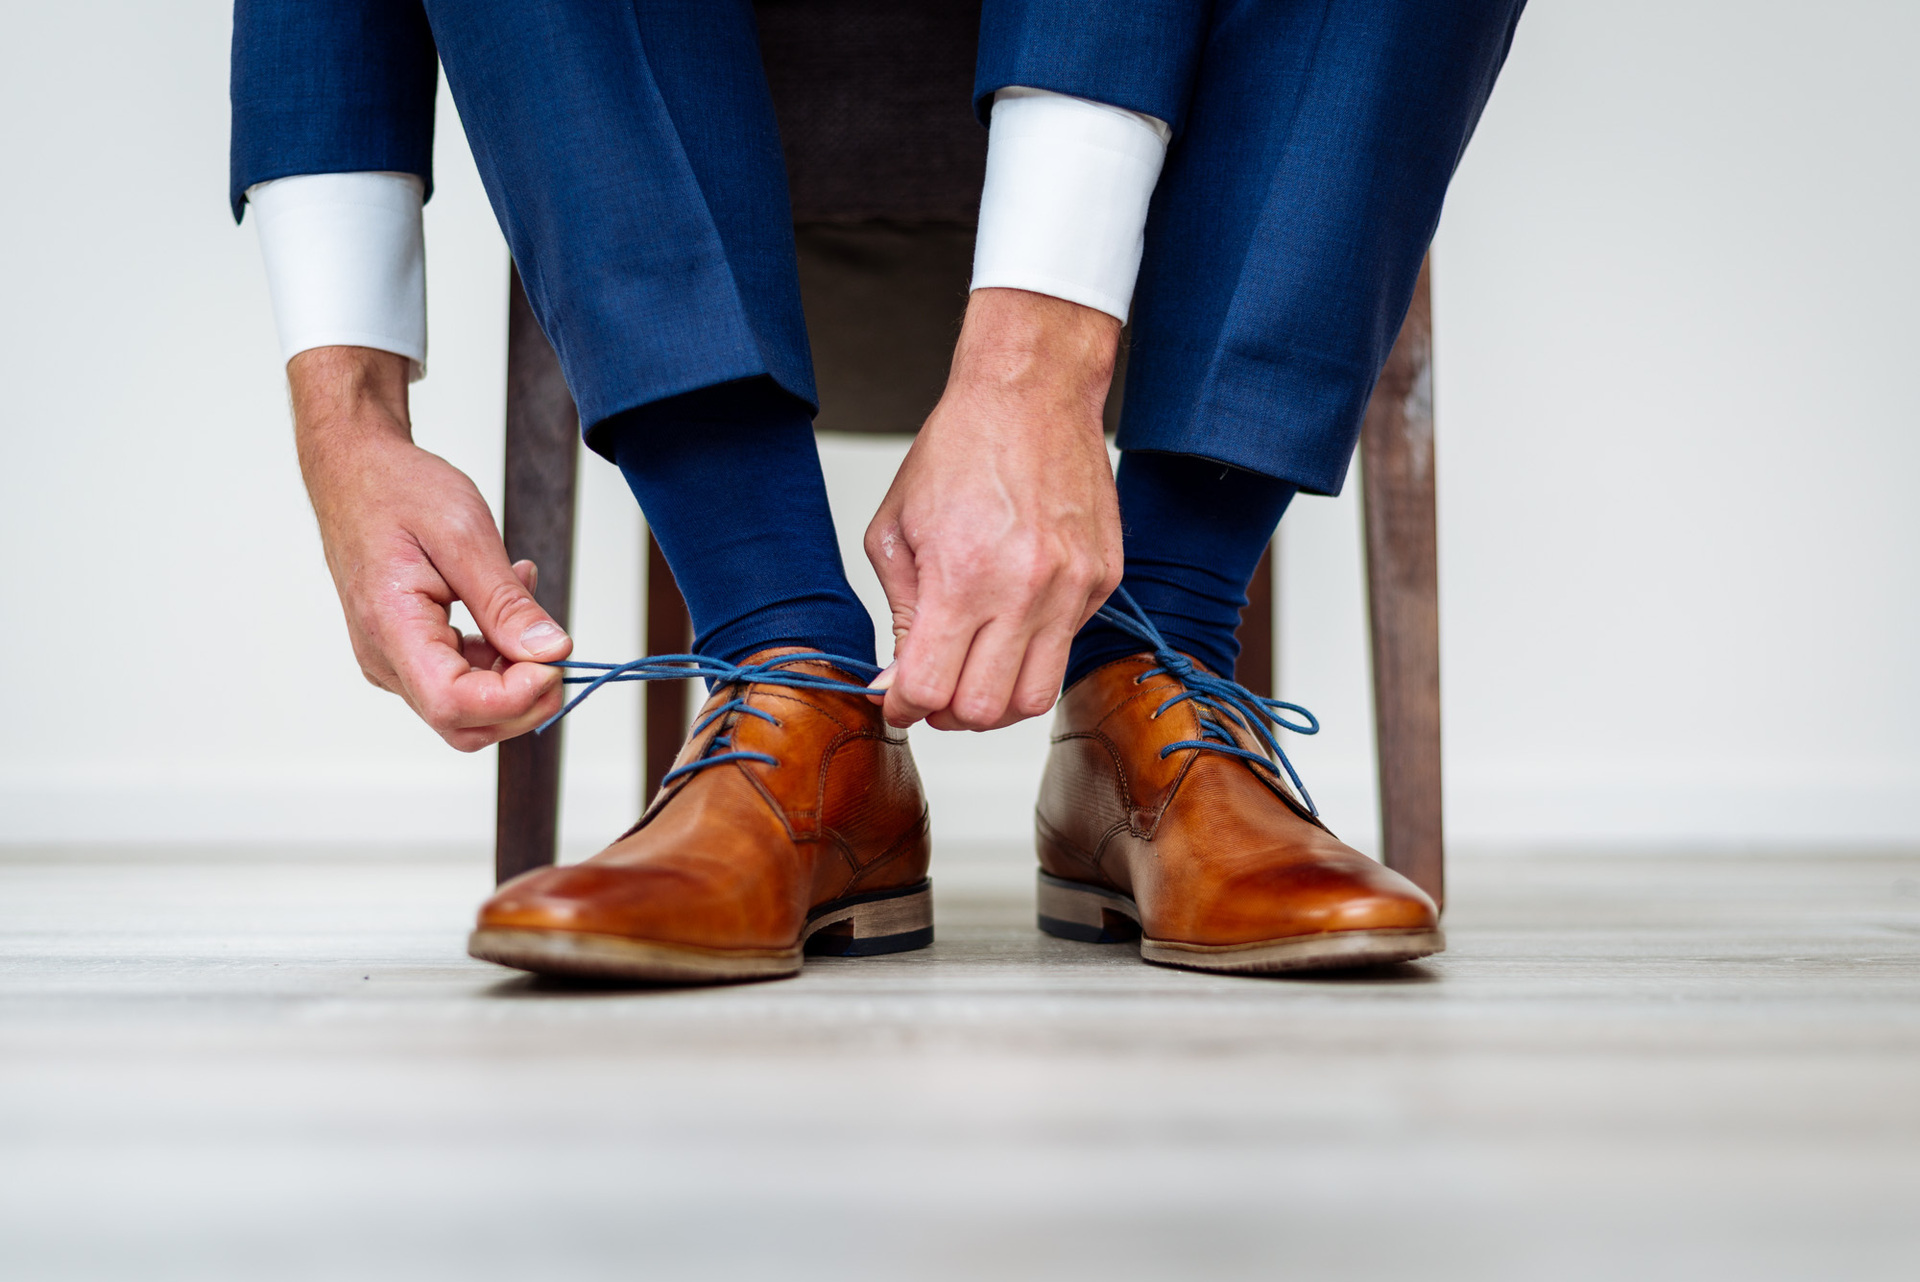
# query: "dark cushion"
[[874, 103], [884, 161]]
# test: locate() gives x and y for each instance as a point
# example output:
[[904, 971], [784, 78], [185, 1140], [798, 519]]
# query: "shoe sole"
[[869, 925], [1091, 915]]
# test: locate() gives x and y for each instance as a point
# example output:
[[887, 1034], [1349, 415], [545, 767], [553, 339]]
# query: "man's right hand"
[[406, 535]]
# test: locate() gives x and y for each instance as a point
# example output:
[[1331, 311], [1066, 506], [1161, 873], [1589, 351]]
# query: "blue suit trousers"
[[630, 152], [628, 147], [1313, 144]]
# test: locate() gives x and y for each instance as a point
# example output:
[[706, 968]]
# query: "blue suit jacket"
[[630, 152]]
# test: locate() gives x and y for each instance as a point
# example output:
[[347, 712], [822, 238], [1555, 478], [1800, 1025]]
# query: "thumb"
[[499, 597], [899, 574]]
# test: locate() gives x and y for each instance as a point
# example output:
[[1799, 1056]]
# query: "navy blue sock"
[[730, 482], [1194, 531]]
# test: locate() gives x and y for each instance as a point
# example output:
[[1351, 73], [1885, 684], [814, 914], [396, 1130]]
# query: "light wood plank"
[[264, 1063]]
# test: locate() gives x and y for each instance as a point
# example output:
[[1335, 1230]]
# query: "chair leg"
[[1403, 596], [668, 631], [543, 434], [1255, 669]]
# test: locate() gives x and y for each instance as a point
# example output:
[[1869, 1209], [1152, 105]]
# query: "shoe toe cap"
[[663, 904], [1340, 891]]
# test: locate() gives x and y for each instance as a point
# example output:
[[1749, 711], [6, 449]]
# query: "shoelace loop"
[[719, 673], [1257, 714], [1226, 698]]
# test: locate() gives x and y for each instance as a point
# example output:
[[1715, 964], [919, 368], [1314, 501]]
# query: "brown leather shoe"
[[808, 832], [1206, 856]]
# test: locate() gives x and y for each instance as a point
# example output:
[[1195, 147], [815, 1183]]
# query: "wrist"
[[345, 397], [337, 389], [1025, 344]]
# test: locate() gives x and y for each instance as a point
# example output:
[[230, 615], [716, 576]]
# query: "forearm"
[[344, 400]]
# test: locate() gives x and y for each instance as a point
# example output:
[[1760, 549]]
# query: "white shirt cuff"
[[1064, 209], [346, 261]]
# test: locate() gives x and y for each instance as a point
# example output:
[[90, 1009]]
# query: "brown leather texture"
[[734, 856], [1213, 849]]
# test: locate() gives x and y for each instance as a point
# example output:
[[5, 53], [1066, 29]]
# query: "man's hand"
[[1001, 534], [406, 535]]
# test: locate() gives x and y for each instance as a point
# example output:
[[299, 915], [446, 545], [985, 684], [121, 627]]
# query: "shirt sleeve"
[[346, 261], [1064, 208]]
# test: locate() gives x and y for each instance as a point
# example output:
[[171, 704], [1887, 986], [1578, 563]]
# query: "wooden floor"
[[1626, 1067]]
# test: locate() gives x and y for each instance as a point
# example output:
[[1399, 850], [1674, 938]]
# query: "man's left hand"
[[1000, 536]]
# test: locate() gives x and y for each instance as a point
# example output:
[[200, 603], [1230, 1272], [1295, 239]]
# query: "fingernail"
[[884, 681], [542, 636]]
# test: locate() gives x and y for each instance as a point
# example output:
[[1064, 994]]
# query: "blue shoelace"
[[1227, 700], [680, 667], [1224, 698]]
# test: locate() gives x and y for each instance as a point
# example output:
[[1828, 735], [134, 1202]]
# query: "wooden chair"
[[883, 209]]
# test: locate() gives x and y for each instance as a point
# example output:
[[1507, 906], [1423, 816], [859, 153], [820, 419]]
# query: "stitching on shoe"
[[1068, 846], [901, 846]]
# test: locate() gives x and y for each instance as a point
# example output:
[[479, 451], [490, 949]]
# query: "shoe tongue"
[[773, 654]]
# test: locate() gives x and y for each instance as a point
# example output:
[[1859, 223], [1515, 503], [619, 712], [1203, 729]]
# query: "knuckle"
[[1025, 559], [1032, 705], [921, 694], [976, 711], [440, 713], [461, 523], [504, 599]]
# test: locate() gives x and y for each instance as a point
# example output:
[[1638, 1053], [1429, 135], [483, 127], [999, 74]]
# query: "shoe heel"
[[881, 921], [1069, 910]]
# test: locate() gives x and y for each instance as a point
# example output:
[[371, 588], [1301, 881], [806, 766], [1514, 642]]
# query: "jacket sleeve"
[[330, 86], [1136, 54]]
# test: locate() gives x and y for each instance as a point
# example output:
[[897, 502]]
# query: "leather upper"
[[733, 856], [1213, 849]]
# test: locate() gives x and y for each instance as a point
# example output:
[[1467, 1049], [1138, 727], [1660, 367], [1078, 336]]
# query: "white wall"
[[1677, 453]]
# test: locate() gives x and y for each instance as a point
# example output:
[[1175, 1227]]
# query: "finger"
[[373, 662], [898, 571], [881, 684], [930, 661], [474, 564], [529, 575], [448, 691], [985, 686], [476, 738], [1037, 688], [478, 654], [489, 706]]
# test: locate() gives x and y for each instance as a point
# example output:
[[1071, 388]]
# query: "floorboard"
[[280, 1065]]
